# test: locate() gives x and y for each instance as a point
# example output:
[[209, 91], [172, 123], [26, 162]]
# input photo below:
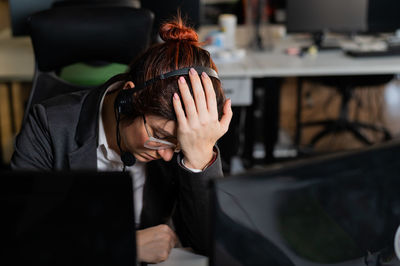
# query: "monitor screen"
[[212, 9], [340, 210], [326, 15], [67, 218], [383, 15]]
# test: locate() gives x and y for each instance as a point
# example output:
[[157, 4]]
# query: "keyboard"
[[390, 51]]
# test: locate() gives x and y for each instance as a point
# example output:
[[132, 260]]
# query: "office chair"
[[345, 86], [126, 3], [66, 35], [93, 73]]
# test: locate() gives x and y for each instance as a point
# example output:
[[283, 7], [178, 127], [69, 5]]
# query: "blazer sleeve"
[[191, 216], [33, 146]]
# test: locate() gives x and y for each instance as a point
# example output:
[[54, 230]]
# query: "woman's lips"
[[148, 157]]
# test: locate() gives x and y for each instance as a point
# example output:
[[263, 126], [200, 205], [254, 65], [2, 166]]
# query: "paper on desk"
[[181, 257]]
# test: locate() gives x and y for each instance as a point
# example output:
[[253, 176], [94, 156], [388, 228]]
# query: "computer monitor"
[[211, 10], [340, 210], [67, 218], [320, 16], [383, 15]]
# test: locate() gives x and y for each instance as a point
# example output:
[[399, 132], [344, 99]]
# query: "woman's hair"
[[180, 49]]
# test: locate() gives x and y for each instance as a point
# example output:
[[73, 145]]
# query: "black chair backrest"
[[129, 3], [62, 36], [66, 35]]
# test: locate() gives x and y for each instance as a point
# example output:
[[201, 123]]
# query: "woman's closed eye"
[[171, 139], [166, 138]]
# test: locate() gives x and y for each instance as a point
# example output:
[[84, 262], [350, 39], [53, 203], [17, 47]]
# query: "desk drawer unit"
[[239, 90]]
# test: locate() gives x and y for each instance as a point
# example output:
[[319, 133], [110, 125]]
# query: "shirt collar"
[[102, 140]]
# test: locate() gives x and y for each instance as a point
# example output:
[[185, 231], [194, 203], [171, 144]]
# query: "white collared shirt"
[[109, 160]]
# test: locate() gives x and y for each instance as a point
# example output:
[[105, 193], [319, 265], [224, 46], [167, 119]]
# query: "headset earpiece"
[[123, 103]]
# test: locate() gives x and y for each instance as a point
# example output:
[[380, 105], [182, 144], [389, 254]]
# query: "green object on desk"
[[91, 75]]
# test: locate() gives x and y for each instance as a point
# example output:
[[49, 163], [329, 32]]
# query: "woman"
[[162, 108]]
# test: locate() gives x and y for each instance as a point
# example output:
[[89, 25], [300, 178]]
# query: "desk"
[[278, 64]]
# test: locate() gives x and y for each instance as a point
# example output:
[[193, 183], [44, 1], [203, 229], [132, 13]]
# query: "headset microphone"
[[127, 158]]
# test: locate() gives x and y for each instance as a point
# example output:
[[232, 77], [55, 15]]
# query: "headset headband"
[[179, 72], [123, 102]]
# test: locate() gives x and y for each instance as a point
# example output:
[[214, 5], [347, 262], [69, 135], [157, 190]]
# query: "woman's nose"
[[166, 154]]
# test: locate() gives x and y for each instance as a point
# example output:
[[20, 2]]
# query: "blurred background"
[[272, 126]]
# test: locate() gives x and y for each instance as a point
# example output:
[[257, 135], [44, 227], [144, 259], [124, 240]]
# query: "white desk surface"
[[276, 63], [17, 62]]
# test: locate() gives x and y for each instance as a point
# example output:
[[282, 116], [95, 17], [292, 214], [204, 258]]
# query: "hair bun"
[[177, 31]]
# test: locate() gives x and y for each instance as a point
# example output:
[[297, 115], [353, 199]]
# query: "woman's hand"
[[155, 243], [199, 129]]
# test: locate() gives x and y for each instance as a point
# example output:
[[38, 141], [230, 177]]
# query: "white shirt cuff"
[[198, 170], [191, 169]]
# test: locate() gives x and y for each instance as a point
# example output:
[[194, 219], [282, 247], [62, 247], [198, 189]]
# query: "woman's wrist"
[[199, 164]]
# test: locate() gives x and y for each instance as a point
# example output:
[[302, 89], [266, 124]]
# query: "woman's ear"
[[129, 85]]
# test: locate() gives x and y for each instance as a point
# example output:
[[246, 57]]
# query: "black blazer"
[[62, 134]]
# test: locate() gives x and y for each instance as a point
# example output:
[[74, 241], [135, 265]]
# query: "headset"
[[123, 104]]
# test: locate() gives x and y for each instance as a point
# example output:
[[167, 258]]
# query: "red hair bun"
[[177, 31]]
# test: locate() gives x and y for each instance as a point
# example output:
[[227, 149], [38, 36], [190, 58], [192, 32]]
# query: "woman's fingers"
[[187, 98], [210, 95], [198, 93], [202, 106], [227, 116], [180, 113], [203, 102]]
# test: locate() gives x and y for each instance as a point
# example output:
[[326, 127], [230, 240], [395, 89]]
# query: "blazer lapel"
[[86, 136], [85, 157]]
